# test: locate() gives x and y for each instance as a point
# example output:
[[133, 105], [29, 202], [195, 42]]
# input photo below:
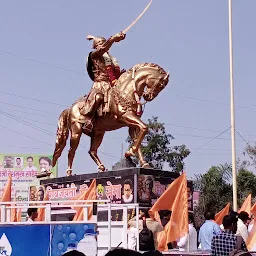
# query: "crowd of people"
[[212, 238], [230, 236], [217, 240], [185, 243]]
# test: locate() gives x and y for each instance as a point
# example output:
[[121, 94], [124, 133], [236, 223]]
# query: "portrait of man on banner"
[[127, 196], [18, 162], [8, 162]]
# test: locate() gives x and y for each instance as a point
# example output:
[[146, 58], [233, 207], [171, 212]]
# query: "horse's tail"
[[62, 135]]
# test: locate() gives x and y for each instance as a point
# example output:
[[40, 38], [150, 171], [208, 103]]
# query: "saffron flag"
[[6, 196], [220, 215], [14, 217], [175, 199], [247, 204], [15, 213], [253, 209], [161, 241], [41, 211], [89, 194]]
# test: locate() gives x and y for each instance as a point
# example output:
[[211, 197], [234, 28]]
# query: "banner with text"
[[23, 169], [118, 189], [150, 188]]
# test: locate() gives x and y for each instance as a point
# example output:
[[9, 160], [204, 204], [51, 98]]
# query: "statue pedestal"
[[127, 185]]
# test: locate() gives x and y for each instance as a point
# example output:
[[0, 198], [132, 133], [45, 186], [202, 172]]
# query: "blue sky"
[[43, 49]]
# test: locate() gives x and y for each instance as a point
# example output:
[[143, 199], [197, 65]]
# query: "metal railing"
[[51, 206]]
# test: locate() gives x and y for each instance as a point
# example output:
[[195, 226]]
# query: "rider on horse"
[[104, 71]]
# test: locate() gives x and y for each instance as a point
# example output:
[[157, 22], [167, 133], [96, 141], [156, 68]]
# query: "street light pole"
[[232, 108]]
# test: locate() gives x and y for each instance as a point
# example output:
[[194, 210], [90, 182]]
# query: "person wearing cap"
[[104, 71], [242, 229], [226, 241]]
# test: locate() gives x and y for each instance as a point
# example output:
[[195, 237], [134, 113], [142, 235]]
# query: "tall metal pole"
[[122, 151], [232, 107]]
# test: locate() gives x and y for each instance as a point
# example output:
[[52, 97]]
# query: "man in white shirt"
[[189, 241], [151, 224], [32, 214], [30, 166], [242, 229]]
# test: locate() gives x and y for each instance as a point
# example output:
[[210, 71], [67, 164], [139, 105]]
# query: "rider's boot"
[[88, 125]]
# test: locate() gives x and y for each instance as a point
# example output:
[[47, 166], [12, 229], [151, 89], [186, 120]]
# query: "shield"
[[89, 66]]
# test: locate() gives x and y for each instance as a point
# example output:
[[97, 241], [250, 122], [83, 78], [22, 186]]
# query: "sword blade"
[[135, 21]]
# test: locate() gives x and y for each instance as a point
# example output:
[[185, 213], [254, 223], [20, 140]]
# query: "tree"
[[249, 160], [246, 181], [215, 188], [251, 152], [157, 149]]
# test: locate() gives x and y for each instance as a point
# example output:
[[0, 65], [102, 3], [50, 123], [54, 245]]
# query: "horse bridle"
[[137, 98]]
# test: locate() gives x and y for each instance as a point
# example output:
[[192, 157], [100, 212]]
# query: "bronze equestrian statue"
[[112, 103]]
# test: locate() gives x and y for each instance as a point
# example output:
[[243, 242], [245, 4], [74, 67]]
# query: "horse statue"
[[143, 80]]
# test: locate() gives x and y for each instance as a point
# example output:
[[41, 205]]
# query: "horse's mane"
[[142, 65]]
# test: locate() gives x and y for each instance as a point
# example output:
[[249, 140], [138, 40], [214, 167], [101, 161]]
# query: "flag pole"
[[232, 107]]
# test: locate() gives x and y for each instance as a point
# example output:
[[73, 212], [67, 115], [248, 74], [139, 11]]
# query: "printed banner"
[[118, 189], [151, 187], [46, 240], [23, 169]]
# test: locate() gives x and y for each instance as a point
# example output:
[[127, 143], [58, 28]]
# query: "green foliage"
[[246, 181], [215, 187], [251, 152], [157, 149]]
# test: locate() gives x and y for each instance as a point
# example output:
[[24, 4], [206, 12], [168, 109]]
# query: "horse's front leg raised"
[[96, 139], [134, 121]]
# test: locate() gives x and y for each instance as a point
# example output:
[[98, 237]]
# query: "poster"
[[118, 189], [23, 169], [151, 187], [46, 240]]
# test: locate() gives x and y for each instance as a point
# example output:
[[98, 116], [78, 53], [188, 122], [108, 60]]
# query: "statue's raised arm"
[[101, 45], [101, 66]]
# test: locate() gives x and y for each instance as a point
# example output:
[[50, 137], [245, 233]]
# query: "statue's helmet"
[[96, 40]]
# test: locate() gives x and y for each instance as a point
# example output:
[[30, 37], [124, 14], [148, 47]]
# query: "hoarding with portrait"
[[24, 168], [151, 187]]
